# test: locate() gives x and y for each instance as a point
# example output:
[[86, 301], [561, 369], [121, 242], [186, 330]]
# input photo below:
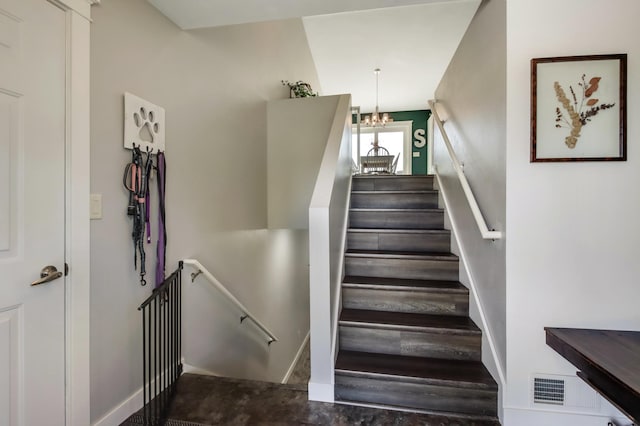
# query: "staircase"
[[405, 336]]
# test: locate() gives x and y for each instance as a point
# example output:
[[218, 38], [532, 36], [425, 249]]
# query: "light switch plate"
[[95, 209]]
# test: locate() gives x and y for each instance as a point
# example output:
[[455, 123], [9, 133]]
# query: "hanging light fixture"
[[375, 120]]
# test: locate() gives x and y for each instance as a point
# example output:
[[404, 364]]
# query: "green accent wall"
[[418, 136]]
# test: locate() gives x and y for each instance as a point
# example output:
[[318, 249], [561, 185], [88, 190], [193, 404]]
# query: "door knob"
[[48, 273]]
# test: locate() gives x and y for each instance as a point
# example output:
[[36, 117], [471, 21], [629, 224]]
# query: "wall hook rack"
[[144, 124]]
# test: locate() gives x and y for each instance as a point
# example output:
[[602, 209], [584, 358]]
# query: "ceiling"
[[412, 46], [411, 41]]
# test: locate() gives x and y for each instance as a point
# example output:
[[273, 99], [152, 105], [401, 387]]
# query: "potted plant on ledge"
[[299, 89]]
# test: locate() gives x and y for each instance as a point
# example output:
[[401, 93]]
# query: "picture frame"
[[578, 108]]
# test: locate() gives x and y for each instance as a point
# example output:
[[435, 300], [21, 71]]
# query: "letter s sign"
[[420, 139]]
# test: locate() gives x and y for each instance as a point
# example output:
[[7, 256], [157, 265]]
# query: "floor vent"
[[565, 392], [548, 391]]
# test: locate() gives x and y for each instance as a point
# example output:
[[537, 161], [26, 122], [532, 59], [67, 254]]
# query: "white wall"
[[214, 85], [268, 271], [297, 132], [573, 228], [328, 215], [471, 97]]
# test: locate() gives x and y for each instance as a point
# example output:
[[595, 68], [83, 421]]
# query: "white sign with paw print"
[[143, 124]]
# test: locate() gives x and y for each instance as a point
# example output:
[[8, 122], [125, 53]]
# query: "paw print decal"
[[146, 124]]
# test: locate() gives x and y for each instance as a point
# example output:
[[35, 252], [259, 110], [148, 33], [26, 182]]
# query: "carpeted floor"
[[138, 419], [208, 400]]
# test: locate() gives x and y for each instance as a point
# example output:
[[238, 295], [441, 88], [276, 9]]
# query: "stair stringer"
[[490, 356]]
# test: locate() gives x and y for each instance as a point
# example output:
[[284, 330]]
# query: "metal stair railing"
[[246, 314], [161, 347]]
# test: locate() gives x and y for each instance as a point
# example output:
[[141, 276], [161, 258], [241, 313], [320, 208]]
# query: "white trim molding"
[[406, 127], [529, 416], [129, 406], [322, 392], [81, 7], [473, 287], [328, 211], [190, 369], [292, 367], [123, 411], [77, 233]]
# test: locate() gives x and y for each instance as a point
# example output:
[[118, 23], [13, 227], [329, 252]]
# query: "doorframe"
[[406, 127], [77, 233]]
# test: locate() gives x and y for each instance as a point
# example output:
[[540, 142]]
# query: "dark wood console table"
[[608, 360]]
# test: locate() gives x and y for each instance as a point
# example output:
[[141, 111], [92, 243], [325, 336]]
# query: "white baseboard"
[[126, 408], [486, 330], [292, 367], [532, 417], [322, 392], [187, 368]]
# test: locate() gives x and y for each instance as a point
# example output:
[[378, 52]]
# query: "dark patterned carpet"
[[138, 419], [207, 400]]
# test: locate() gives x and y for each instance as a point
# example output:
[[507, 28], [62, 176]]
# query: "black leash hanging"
[[144, 216], [136, 180], [161, 248], [148, 167]]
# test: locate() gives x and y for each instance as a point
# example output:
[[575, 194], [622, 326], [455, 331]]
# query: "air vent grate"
[[548, 391]]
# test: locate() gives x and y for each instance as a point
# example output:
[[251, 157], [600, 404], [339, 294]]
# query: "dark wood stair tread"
[[366, 176], [416, 255], [391, 183], [400, 231], [404, 284], [405, 334], [409, 321], [396, 192], [464, 374], [409, 210]]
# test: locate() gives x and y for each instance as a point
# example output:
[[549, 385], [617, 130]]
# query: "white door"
[[32, 183]]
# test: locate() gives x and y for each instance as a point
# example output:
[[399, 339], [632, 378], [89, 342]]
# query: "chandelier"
[[375, 120]]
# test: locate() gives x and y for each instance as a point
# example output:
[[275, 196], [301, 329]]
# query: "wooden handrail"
[[246, 314], [487, 234]]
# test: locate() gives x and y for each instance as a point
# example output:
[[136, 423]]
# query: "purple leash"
[[161, 250], [147, 196]]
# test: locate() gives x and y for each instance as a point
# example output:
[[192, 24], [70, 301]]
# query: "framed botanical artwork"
[[578, 108]]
